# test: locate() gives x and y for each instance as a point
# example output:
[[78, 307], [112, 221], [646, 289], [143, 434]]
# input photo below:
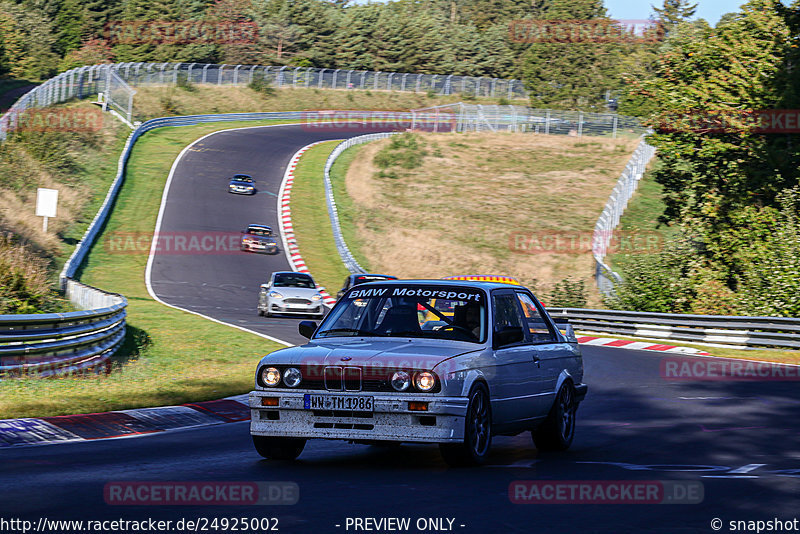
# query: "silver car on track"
[[290, 293], [432, 361]]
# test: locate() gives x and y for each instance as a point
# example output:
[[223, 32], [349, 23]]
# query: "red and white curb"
[[123, 423], [287, 228], [638, 345]]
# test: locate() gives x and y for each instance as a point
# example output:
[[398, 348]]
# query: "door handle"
[[537, 361]]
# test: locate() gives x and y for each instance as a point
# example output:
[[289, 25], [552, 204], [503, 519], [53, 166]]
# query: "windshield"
[[242, 178], [266, 232], [435, 312], [371, 278], [294, 280]]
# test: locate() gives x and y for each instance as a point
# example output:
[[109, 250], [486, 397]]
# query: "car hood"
[[366, 352], [237, 182], [296, 292]]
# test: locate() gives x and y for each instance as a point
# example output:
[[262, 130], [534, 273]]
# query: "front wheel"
[[274, 448], [477, 432], [558, 430]]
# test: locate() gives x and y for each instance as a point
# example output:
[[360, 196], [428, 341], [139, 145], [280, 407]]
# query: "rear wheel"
[[274, 448], [558, 430], [477, 432]]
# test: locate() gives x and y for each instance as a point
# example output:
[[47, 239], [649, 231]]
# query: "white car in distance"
[[290, 293]]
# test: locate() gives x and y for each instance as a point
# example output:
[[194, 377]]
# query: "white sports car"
[[290, 293]]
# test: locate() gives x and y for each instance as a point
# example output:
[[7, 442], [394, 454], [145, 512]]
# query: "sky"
[[711, 10]]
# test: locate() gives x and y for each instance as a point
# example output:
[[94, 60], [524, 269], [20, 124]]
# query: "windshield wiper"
[[355, 331]]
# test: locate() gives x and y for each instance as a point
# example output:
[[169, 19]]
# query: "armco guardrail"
[[347, 257], [53, 343], [741, 331]]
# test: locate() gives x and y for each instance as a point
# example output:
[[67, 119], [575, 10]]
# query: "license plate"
[[355, 403]]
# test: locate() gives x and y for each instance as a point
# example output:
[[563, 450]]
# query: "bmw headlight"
[[270, 376], [275, 295], [401, 380], [316, 297], [292, 377], [425, 381]]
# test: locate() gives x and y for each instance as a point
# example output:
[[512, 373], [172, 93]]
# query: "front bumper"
[[267, 249], [241, 191], [391, 419], [315, 308]]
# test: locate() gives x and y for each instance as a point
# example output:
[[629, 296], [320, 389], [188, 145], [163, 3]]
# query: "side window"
[[540, 331], [507, 317]]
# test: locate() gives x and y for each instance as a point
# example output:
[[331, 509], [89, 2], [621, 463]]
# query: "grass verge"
[[159, 101], [171, 357], [639, 223], [312, 225], [525, 205]]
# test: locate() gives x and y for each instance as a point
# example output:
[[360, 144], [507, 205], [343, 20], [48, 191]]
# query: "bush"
[[405, 150], [169, 104], [24, 286], [769, 282], [182, 82], [262, 86], [658, 282], [568, 293]]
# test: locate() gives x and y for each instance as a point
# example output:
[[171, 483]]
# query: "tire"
[[260, 312], [558, 430], [477, 432], [273, 448]]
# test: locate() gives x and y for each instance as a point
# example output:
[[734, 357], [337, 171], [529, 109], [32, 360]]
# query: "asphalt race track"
[[634, 425], [741, 440], [222, 282]]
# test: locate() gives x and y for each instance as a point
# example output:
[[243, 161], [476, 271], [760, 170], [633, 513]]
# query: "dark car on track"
[[259, 238], [242, 184], [355, 279]]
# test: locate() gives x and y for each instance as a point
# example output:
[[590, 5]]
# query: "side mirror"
[[569, 333], [307, 328], [264, 286], [508, 335]]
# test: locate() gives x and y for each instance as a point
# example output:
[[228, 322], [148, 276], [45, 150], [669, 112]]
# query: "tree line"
[[39, 38], [725, 105]]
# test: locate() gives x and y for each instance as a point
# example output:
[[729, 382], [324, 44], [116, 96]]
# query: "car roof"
[[488, 286], [356, 275], [259, 226]]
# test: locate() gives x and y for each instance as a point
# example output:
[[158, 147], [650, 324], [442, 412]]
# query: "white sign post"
[[46, 203]]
